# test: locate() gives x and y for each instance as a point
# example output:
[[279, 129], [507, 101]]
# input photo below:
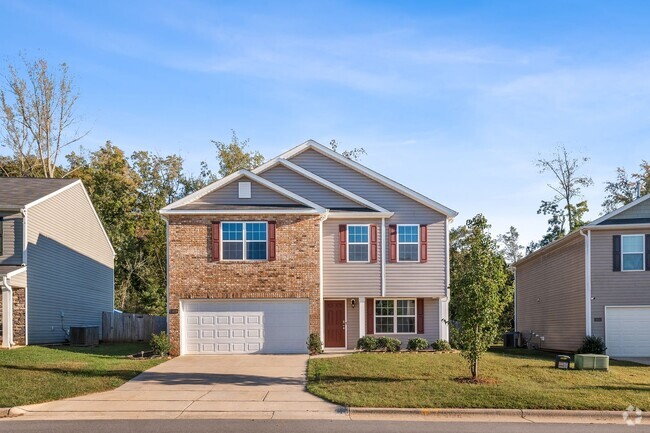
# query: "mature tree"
[[38, 117], [353, 154], [623, 190], [479, 290], [511, 249], [234, 156]]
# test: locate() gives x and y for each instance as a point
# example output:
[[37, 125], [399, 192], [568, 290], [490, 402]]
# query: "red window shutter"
[[423, 243], [373, 243], [216, 232], [271, 240], [392, 242], [370, 316], [343, 243], [420, 315]]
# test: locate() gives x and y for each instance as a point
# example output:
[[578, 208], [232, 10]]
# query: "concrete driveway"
[[244, 387]]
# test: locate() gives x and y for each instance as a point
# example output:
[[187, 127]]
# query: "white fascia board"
[[17, 271], [618, 211], [311, 144], [241, 212], [324, 182], [52, 194], [618, 226], [234, 176], [352, 214]]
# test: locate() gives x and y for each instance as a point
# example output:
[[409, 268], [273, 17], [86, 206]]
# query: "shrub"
[[441, 346], [314, 344], [367, 343], [417, 344], [594, 345], [160, 344], [389, 344]]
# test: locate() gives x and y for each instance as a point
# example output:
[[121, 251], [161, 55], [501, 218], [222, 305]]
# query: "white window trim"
[[408, 243], [395, 316], [347, 234], [244, 241], [642, 252]]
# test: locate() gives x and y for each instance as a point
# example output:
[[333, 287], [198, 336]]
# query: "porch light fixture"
[[353, 303]]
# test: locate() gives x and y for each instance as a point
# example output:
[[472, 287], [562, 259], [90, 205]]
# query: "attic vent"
[[244, 190]]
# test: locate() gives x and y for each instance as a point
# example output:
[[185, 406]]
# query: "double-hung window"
[[244, 240], [395, 316], [358, 243], [408, 243], [633, 252]]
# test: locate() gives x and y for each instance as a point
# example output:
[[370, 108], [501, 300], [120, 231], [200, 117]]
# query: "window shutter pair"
[[392, 242], [617, 252], [216, 233], [343, 243]]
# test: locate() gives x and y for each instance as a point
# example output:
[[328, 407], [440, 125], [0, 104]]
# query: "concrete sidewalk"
[[234, 387]]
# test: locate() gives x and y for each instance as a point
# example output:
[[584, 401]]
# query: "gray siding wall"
[[348, 279], [352, 323], [260, 195], [613, 288], [551, 296], [641, 210], [69, 269], [402, 279], [12, 238], [307, 188]]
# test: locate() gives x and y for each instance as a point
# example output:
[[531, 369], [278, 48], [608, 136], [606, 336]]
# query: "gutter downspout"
[[383, 257], [515, 300], [321, 260], [23, 211], [167, 267], [587, 280], [7, 313]]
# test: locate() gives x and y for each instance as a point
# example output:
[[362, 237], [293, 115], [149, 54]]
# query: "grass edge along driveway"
[[523, 379], [36, 374]]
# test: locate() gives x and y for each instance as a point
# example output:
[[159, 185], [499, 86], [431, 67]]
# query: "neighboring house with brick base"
[[308, 242], [56, 261], [594, 281]]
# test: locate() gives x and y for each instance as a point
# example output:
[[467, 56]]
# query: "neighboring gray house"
[[308, 242], [594, 281], [56, 261]]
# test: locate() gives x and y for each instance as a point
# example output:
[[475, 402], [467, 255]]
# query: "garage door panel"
[[628, 331], [221, 327]]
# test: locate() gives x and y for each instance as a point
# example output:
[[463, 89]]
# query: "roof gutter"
[[587, 280], [618, 226], [239, 212]]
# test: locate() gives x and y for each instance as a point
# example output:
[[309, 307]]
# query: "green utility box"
[[591, 362]]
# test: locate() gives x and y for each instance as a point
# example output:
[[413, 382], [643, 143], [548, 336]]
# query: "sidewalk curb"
[[521, 413], [11, 412]]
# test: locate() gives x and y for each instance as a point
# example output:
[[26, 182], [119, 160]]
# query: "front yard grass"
[[523, 379], [36, 374]]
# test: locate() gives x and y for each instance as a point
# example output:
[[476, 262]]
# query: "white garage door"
[[627, 331], [247, 326]]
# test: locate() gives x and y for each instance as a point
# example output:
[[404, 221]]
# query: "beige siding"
[[12, 238], [69, 269], [613, 288], [348, 279], [641, 210], [229, 194], [308, 189], [551, 296], [352, 323], [402, 279]]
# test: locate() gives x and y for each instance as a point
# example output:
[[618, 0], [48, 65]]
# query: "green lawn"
[[522, 380], [36, 374]]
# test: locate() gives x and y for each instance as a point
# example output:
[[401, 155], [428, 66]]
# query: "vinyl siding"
[[641, 210], [402, 279], [229, 194], [69, 269], [351, 278], [12, 238], [614, 288], [352, 323], [308, 189], [551, 296]]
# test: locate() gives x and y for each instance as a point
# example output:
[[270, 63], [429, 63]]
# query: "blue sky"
[[453, 99]]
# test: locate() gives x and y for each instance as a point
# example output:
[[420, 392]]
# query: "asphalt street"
[[276, 426]]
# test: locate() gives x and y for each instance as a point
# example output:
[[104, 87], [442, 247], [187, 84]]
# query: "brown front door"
[[334, 323]]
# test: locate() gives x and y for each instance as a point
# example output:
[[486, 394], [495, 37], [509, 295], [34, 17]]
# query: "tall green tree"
[[479, 291], [235, 156], [623, 190], [511, 249]]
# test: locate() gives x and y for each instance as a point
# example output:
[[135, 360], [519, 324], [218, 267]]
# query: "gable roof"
[[19, 192], [311, 144], [301, 202], [621, 209]]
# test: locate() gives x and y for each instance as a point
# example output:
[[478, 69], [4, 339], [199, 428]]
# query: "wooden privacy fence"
[[126, 327]]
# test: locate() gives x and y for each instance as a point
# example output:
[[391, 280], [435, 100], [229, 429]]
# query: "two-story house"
[[56, 261], [594, 281], [308, 242]]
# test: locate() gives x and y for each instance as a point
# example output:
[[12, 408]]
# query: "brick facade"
[[19, 315], [193, 275]]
